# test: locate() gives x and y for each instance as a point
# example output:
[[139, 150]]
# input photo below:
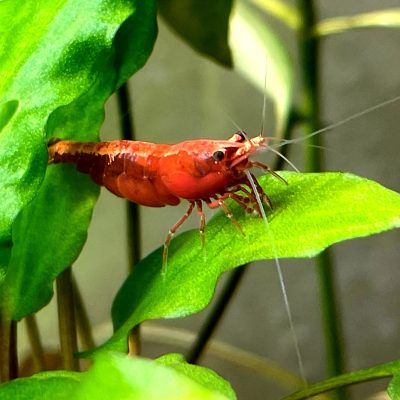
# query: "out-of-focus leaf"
[[54, 385], [281, 10], [119, 377], [384, 19], [203, 24], [313, 212], [203, 376], [260, 55], [60, 63]]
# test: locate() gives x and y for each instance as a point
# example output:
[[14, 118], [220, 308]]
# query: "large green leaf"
[[119, 377], [60, 63], [312, 212], [203, 24]]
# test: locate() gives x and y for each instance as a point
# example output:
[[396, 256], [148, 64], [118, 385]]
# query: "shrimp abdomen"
[[126, 168]]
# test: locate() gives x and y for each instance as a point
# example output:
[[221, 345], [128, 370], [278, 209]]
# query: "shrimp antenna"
[[283, 157], [342, 122], [264, 107], [237, 127], [281, 279]]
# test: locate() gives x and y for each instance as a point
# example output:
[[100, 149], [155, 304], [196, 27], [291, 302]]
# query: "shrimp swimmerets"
[[157, 175]]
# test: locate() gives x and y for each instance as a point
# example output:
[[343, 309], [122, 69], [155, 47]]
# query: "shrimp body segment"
[[157, 175]]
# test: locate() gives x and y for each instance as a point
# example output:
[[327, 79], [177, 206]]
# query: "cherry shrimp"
[[199, 171], [157, 175]]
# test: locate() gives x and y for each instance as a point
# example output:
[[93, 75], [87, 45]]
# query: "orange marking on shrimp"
[[157, 175]]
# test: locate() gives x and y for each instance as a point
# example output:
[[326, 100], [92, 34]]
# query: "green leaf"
[[119, 377], [60, 63], [202, 24], [7, 110], [261, 56], [203, 376], [394, 388], [389, 18], [52, 243], [313, 212], [54, 385]]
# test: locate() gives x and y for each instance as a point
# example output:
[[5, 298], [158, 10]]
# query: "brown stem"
[[66, 320], [36, 343], [82, 319], [8, 349], [133, 214]]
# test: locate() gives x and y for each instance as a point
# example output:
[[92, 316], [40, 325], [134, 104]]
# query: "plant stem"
[[82, 319], [66, 320], [309, 57], [133, 214], [331, 319], [36, 343], [128, 133], [215, 315], [8, 349]]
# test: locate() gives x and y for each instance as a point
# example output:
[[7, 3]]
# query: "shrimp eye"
[[218, 155]]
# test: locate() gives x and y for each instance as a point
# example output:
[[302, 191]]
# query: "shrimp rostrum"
[[156, 175]]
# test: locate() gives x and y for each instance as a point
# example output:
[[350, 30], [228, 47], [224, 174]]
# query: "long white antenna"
[[237, 126], [282, 156], [272, 240], [340, 123], [264, 107], [281, 280]]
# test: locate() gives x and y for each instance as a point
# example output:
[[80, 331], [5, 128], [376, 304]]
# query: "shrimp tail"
[[81, 154], [51, 149]]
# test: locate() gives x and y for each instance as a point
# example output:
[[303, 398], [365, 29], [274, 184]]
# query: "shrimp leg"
[[174, 228], [202, 216], [265, 167], [219, 202]]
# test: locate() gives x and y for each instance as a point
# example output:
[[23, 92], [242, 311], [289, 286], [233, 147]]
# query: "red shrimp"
[[157, 175]]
